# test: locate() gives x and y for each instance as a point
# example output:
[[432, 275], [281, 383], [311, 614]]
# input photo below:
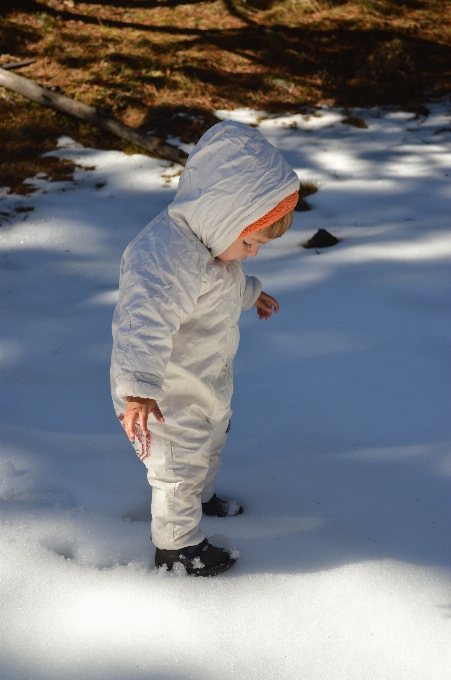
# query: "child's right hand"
[[265, 304], [138, 410]]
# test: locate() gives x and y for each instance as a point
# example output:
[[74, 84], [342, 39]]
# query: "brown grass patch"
[[164, 66], [355, 121]]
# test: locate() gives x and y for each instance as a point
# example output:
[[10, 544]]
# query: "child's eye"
[[248, 245]]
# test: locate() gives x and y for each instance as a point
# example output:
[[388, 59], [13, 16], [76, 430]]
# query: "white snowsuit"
[[175, 327]]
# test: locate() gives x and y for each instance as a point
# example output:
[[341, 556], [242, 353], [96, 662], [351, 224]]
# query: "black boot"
[[202, 559], [221, 507]]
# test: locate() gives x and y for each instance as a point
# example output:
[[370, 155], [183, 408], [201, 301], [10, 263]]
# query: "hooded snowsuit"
[[175, 327]]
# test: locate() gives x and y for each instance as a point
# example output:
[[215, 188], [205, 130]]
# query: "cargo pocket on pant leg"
[[190, 468], [162, 479]]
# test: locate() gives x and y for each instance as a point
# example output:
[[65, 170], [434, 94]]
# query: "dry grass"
[[165, 65], [305, 189]]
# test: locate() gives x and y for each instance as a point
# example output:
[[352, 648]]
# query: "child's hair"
[[278, 229]]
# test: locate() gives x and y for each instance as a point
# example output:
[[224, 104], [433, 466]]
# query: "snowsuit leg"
[[218, 440], [181, 479]]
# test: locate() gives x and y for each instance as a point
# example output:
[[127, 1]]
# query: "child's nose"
[[254, 250]]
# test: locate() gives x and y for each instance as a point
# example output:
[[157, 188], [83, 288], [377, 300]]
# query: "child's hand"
[[265, 304], [137, 410]]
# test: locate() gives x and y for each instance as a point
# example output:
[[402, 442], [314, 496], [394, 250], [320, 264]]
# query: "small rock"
[[322, 239]]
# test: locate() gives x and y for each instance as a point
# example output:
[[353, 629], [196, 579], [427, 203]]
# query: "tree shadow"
[[38, 8], [187, 123], [348, 65], [33, 6], [325, 502], [356, 450], [12, 37], [319, 405], [143, 4]]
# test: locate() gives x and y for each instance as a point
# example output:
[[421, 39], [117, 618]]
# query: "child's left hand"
[[265, 304]]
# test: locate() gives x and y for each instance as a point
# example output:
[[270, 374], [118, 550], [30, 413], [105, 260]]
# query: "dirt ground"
[[164, 66]]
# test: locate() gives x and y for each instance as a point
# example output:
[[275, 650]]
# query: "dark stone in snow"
[[322, 239]]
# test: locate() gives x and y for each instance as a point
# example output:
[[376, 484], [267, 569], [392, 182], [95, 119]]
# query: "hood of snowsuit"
[[232, 178]]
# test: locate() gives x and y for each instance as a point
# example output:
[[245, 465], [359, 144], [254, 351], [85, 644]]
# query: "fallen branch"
[[30, 89], [17, 64]]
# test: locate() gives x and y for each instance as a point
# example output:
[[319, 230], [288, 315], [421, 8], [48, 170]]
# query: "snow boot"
[[221, 507], [202, 559]]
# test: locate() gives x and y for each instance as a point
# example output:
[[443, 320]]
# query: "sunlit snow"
[[340, 443]]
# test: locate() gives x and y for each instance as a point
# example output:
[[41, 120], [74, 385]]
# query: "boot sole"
[[217, 514], [211, 571]]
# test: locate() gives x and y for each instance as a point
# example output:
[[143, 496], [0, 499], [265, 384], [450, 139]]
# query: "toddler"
[[175, 329]]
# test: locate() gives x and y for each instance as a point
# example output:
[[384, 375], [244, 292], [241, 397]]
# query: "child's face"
[[243, 247]]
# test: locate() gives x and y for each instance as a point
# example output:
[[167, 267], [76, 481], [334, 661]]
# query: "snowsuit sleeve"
[[251, 292], [157, 292]]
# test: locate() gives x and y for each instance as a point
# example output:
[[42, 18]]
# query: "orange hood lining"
[[281, 209]]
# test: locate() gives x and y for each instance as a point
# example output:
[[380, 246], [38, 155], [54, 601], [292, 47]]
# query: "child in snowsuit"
[[175, 329]]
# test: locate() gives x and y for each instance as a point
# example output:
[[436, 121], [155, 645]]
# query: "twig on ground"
[[17, 64]]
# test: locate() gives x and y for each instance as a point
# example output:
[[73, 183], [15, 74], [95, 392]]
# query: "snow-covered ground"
[[339, 447]]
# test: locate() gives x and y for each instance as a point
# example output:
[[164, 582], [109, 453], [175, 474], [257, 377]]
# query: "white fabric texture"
[[182, 478], [175, 327], [233, 177]]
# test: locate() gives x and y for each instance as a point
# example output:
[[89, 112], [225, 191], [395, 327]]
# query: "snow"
[[339, 447]]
